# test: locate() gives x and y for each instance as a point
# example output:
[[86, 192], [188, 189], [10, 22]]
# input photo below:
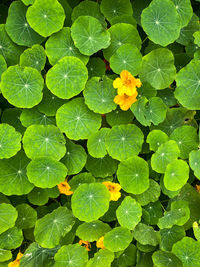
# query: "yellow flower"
[[64, 188], [125, 101], [16, 262], [114, 189], [126, 84], [87, 244], [99, 243], [198, 188]]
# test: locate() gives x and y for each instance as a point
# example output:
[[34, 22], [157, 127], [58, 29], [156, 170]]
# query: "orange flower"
[[16, 262], [126, 84], [87, 244], [64, 188], [114, 189], [198, 188], [125, 101], [99, 243]]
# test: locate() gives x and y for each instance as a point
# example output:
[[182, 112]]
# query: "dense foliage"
[[99, 141]]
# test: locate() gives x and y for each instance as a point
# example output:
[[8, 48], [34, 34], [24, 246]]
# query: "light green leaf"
[[11, 239], [119, 116], [133, 175], [3, 66], [50, 228], [38, 196], [185, 11], [196, 230], [82, 178], [102, 258], [145, 234], [5, 255], [194, 159], [163, 259], [8, 216], [197, 38], [27, 216], [156, 138]]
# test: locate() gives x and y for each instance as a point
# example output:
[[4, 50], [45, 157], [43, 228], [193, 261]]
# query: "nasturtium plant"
[[99, 133]]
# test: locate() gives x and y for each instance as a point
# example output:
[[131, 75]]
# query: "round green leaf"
[[112, 9], [11, 116], [50, 228], [27, 216], [67, 78], [10, 141], [92, 231], [186, 138], [76, 120], [46, 172], [167, 97], [153, 212], [82, 178], [129, 213], [188, 251], [163, 259], [119, 116], [188, 85], [99, 95], [5, 255], [158, 68], [90, 201], [197, 38], [102, 258], [75, 158], [117, 239], [176, 175], [3, 66], [12, 238], [124, 141], [18, 28], [128, 257], [165, 154], [124, 19], [60, 45], [161, 22], [194, 159], [101, 167], [46, 17], [44, 141], [145, 235], [13, 178], [38, 196], [168, 237], [89, 36], [96, 143], [127, 57], [122, 33], [8, 216], [96, 67], [133, 175], [34, 57], [71, 255], [156, 138], [185, 11], [22, 86]]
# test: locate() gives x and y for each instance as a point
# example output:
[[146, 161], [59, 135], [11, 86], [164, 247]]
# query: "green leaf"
[[46, 17], [156, 138], [11, 116], [60, 44], [129, 19], [3, 66], [158, 67], [127, 57], [122, 33], [167, 97], [13, 178], [96, 67], [11, 239], [185, 11], [150, 195], [197, 38], [163, 259], [92, 231], [75, 158], [67, 78], [36, 255], [99, 95], [71, 255], [22, 86], [128, 257], [188, 251], [170, 236], [45, 172], [102, 258], [165, 154], [145, 234], [50, 228], [18, 28], [194, 158], [196, 230], [38, 196], [82, 178], [90, 201], [152, 212], [188, 85], [117, 239], [124, 141], [161, 22], [119, 116], [27, 216], [133, 175], [96, 143], [10, 141], [176, 175], [44, 141], [8, 216], [88, 35], [5, 255], [129, 213], [34, 57], [76, 120]]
